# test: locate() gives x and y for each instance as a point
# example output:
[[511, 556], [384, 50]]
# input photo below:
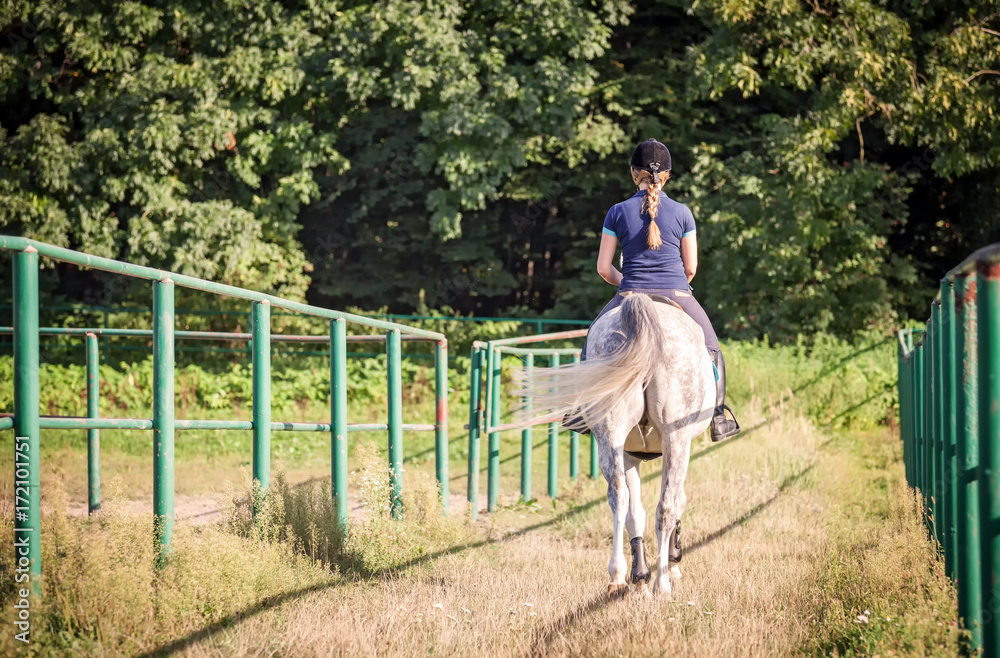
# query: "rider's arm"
[[689, 255], [605, 267]]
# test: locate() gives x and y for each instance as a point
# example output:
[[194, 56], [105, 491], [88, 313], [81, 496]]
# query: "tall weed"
[[302, 516], [103, 593], [381, 543]]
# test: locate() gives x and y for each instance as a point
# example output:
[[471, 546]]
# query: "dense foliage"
[[839, 156]]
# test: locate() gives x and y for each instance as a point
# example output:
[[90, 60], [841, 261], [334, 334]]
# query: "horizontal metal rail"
[[988, 254], [74, 423], [210, 335], [521, 340], [85, 423], [538, 351], [12, 243], [380, 316], [507, 427], [906, 338]]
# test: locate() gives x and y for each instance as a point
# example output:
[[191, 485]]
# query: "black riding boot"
[[722, 427], [574, 423]]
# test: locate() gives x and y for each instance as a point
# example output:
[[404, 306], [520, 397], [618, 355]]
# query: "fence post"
[[527, 442], [574, 445], [441, 420], [163, 413], [554, 445], [594, 467], [928, 386], [918, 419], [27, 520], [903, 385], [968, 567], [93, 436], [475, 408], [911, 431], [395, 420], [949, 362], [260, 333], [338, 417], [988, 338], [104, 341], [494, 359], [938, 386]]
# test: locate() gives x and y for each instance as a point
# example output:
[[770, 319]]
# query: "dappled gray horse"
[[646, 390]]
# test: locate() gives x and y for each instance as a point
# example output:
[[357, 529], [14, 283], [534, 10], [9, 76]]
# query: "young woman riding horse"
[[659, 257], [649, 387]]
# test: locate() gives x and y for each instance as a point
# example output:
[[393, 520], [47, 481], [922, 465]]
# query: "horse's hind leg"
[[668, 512], [635, 521], [612, 465]]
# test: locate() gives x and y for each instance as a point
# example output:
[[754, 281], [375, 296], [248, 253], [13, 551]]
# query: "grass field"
[[797, 541]]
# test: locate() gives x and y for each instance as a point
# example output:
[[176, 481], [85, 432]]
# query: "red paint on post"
[[442, 402], [989, 271], [968, 297]]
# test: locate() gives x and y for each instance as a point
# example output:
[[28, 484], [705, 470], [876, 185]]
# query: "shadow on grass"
[[542, 642], [227, 622], [855, 407], [353, 568], [752, 512]]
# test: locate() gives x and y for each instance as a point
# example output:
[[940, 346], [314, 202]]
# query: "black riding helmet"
[[651, 156]]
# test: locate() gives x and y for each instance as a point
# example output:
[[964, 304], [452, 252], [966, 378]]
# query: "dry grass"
[[789, 536]]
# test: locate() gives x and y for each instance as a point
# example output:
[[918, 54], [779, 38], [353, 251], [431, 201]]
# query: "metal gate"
[[486, 362]]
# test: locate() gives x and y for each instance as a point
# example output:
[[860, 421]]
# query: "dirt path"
[[795, 542], [758, 531]]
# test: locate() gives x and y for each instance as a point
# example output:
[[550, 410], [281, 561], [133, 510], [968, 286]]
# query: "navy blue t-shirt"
[[644, 268]]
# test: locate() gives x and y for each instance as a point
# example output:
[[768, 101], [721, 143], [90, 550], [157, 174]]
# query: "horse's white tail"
[[595, 386]]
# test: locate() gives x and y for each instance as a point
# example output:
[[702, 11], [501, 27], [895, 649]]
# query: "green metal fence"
[[949, 393], [103, 313], [486, 362], [27, 421]]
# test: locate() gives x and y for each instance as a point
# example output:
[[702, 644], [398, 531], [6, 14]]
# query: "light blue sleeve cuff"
[[608, 231], [691, 232]]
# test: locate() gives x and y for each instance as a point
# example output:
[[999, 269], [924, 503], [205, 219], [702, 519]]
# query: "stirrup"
[[724, 428]]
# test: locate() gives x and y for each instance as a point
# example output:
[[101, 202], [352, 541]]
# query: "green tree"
[[176, 136], [868, 104]]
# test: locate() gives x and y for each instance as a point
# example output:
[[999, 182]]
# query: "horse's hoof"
[[661, 588], [617, 591], [675, 576]]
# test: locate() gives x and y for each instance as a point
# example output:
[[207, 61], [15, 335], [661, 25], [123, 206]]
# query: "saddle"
[[657, 298]]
